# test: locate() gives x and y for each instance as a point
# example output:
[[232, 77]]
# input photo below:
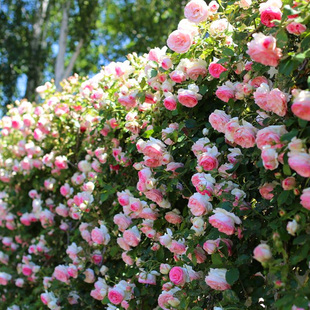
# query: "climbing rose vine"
[[172, 180]]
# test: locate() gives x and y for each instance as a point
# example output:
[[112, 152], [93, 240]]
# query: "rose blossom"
[[224, 221], [288, 183], [266, 191], [270, 136], [216, 69], [225, 92], [170, 102], [262, 253], [218, 119], [305, 198], [180, 41], [301, 105], [292, 227], [245, 135], [178, 276], [216, 279], [296, 28], [116, 295], [300, 162], [132, 236], [199, 204], [268, 14], [270, 158], [263, 50], [197, 68], [189, 97], [196, 11]]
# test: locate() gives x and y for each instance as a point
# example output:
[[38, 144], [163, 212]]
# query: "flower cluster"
[[170, 180]]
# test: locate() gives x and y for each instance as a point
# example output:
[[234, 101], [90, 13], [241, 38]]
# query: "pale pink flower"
[[305, 198], [263, 50], [180, 41], [262, 253], [266, 190], [300, 162], [132, 236], [301, 105], [218, 119], [216, 279], [196, 11], [199, 204], [224, 221]]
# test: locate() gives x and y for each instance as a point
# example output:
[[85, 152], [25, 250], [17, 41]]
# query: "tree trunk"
[[37, 50], [61, 72]]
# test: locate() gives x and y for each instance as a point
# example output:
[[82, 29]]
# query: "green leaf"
[[302, 123], [287, 170], [203, 89], [104, 196], [153, 73], [148, 133], [287, 66], [228, 52], [290, 135], [190, 123], [282, 38], [232, 276], [282, 198], [216, 259]]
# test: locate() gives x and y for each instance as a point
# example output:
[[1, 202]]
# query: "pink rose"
[[132, 236], [207, 161], [257, 81], [199, 204], [288, 183], [178, 276], [270, 136], [189, 97], [305, 198], [218, 119], [177, 76], [296, 28], [301, 105], [123, 244], [263, 50], [216, 69], [116, 295], [230, 129], [300, 162], [100, 235], [270, 158], [196, 11], [177, 247], [173, 217], [210, 246], [277, 102], [216, 279], [262, 253], [180, 41], [170, 103], [225, 92], [245, 136], [122, 221], [266, 191], [224, 221], [61, 273], [269, 14], [196, 68]]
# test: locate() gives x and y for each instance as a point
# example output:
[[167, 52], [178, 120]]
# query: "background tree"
[[45, 39]]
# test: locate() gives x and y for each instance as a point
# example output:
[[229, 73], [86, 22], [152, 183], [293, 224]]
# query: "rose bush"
[[170, 180]]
